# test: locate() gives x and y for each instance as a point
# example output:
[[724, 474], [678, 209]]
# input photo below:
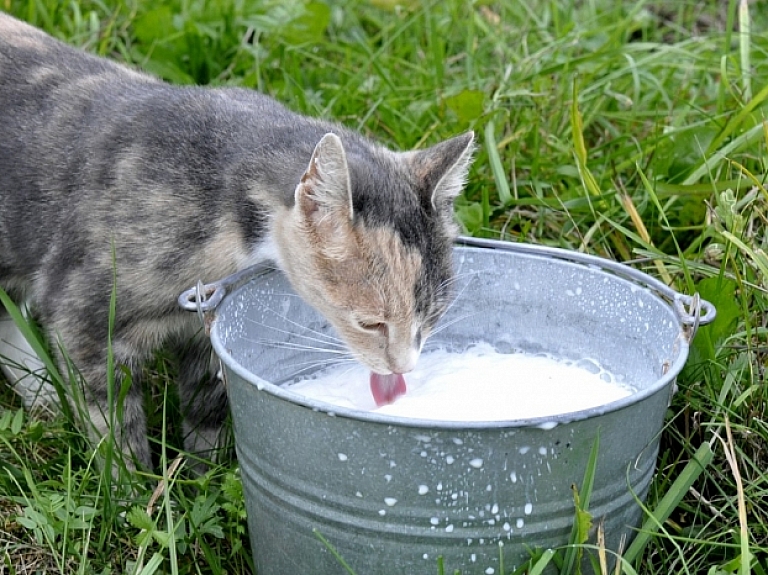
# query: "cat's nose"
[[407, 362]]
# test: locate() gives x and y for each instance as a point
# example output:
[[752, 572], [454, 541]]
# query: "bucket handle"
[[206, 297], [691, 310]]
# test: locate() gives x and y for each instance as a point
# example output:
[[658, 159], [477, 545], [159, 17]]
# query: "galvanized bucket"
[[391, 495]]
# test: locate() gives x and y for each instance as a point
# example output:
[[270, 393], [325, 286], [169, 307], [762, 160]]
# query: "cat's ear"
[[325, 188], [442, 170], [324, 198]]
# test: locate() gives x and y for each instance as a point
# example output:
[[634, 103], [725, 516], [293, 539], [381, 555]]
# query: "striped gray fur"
[[105, 170]]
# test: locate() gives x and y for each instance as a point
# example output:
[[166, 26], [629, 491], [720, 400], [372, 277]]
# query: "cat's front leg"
[[85, 350], [203, 398]]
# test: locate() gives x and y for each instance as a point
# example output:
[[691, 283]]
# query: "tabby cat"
[[106, 172]]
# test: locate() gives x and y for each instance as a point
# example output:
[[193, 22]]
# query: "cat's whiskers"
[[445, 285], [326, 336], [449, 282], [296, 346], [315, 366], [442, 326], [325, 339]]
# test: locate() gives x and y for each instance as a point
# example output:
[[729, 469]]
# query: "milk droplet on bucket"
[[390, 501], [449, 460], [434, 520], [547, 425], [343, 457], [449, 529], [477, 463], [495, 508], [520, 523], [423, 489], [528, 508], [490, 571], [513, 477]]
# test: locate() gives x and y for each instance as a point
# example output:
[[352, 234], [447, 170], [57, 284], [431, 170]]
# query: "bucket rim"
[[545, 422]]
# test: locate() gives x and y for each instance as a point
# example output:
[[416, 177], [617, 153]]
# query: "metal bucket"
[[390, 495], [22, 367]]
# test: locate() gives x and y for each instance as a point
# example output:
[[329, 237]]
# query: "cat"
[[112, 177]]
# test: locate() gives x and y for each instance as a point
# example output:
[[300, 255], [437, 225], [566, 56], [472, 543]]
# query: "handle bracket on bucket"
[[691, 310], [206, 297]]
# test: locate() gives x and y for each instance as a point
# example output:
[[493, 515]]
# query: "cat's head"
[[369, 243]]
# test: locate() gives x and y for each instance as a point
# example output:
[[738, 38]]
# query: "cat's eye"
[[378, 326]]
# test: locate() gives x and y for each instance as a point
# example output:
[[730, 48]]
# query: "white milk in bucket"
[[480, 384]]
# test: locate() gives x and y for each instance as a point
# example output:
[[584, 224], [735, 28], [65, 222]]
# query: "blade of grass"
[[665, 190], [112, 407], [502, 186], [152, 565], [724, 86], [543, 561], [730, 456], [688, 476], [333, 551], [758, 184], [601, 555], [738, 119], [629, 207], [745, 26], [580, 149], [168, 481], [575, 540], [711, 161], [758, 256], [31, 336]]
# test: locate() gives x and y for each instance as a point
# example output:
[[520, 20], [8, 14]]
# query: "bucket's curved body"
[[392, 495]]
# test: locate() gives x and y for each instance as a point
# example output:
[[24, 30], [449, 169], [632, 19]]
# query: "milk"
[[479, 384]]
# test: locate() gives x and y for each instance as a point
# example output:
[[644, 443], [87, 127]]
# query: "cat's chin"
[[387, 388]]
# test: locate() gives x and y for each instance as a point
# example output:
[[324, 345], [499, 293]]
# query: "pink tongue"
[[387, 388]]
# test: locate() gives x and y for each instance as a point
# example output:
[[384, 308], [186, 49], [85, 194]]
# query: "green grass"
[[633, 130]]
